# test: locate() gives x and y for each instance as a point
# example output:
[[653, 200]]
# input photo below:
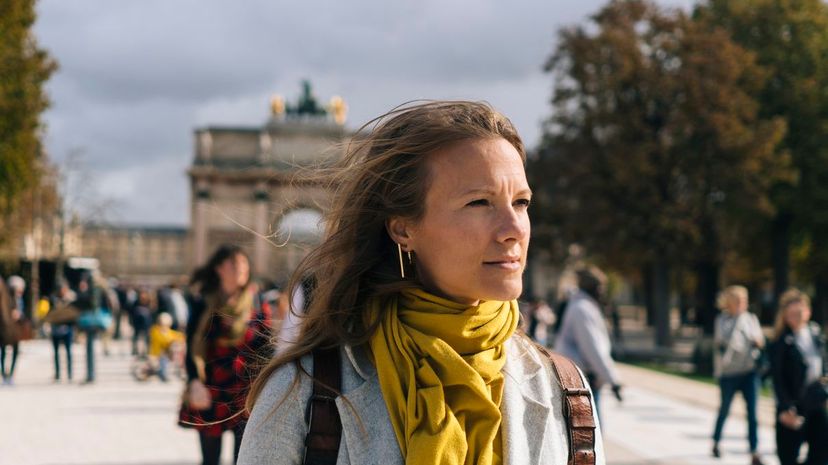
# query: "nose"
[[513, 225]]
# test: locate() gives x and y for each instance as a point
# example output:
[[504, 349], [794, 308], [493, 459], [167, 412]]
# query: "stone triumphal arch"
[[245, 189]]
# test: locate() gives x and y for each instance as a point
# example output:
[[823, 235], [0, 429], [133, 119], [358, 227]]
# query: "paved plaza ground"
[[663, 420]]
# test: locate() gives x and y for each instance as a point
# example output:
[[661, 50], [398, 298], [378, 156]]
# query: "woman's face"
[[471, 243], [797, 315], [234, 273], [737, 303]]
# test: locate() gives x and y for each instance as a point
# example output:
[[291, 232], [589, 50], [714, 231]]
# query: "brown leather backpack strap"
[[324, 424], [577, 410]]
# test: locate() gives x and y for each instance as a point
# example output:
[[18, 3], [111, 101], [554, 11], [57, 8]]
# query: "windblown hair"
[[382, 175]]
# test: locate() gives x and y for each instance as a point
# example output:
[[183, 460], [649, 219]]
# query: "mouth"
[[508, 264]]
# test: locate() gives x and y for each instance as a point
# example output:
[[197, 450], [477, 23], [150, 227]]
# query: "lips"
[[506, 263]]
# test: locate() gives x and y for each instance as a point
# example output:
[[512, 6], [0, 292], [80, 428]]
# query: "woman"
[[415, 291], [738, 338], [228, 334], [798, 365]]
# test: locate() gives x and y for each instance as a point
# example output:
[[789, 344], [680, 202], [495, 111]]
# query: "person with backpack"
[[737, 342], [409, 350]]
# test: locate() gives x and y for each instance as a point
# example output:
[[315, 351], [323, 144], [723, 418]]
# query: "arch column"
[[202, 200], [261, 250]]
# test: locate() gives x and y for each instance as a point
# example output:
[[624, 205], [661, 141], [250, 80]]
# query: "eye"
[[523, 203], [478, 203]]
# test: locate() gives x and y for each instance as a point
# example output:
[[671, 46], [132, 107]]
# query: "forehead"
[[476, 164]]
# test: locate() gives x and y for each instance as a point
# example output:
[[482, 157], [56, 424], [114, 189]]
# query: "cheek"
[[449, 249]]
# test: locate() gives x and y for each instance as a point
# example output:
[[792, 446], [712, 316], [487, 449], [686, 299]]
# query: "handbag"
[[98, 319], [24, 329], [62, 315]]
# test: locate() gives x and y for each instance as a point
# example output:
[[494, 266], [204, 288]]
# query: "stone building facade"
[[245, 189], [144, 255]]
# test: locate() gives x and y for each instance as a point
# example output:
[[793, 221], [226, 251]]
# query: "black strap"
[[322, 416]]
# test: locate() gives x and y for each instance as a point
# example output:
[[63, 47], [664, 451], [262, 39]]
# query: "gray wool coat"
[[533, 428]]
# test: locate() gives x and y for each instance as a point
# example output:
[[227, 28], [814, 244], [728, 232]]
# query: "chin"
[[504, 292]]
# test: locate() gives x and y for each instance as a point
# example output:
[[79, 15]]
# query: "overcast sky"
[[136, 77]]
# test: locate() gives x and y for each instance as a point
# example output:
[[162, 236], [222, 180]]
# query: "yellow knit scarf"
[[439, 366]]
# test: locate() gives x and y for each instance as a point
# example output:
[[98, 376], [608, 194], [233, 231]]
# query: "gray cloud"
[[136, 78]]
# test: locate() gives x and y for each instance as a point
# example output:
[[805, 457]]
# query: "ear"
[[401, 231]]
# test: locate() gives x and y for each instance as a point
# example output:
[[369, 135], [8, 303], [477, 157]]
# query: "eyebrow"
[[484, 191]]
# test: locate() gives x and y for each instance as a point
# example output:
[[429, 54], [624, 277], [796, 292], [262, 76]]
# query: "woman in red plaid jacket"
[[228, 336]]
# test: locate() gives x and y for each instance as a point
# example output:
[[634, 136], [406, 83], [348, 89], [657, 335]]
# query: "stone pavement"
[[666, 419], [117, 420], [663, 420]]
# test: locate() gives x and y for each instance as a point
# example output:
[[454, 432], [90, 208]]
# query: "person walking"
[[227, 337], [737, 341], [95, 318], [62, 318], [409, 351], [583, 336], [142, 317], [798, 366], [9, 333]]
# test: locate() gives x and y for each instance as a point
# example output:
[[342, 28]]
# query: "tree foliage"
[[655, 136], [656, 152], [790, 41], [24, 68]]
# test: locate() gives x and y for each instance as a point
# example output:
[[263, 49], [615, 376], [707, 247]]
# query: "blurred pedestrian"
[[738, 341], [142, 317], [180, 308], [798, 366], [9, 333], [227, 336], [541, 318], [293, 306], [94, 318], [584, 337], [62, 318], [162, 340]]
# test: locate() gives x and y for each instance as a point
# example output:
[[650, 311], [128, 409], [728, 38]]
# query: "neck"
[[460, 300]]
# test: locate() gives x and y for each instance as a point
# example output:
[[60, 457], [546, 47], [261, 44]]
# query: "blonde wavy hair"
[[730, 294]]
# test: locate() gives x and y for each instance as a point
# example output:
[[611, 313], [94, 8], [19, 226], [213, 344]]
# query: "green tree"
[[24, 68], [790, 41], [654, 153]]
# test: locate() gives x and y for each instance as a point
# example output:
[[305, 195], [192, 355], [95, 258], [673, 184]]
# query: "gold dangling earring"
[[402, 269]]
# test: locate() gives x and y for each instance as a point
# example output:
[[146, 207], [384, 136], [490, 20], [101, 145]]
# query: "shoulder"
[[533, 366], [275, 432]]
